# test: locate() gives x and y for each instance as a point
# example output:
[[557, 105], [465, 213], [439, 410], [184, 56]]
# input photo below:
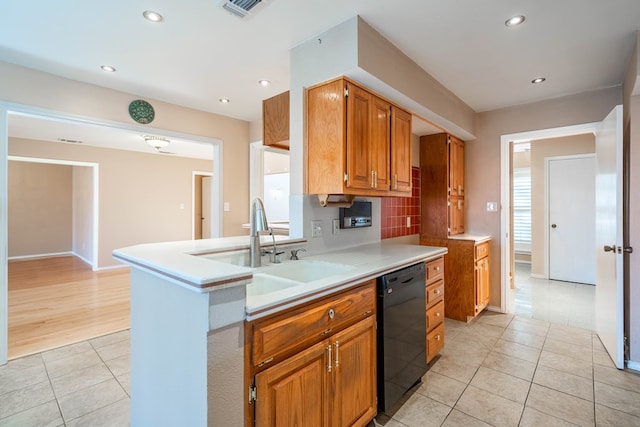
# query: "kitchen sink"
[[264, 284], [240, 258], [305, 271]]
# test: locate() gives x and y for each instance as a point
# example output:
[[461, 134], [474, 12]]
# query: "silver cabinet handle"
[[337, 352], [611, 248], [329, 367]]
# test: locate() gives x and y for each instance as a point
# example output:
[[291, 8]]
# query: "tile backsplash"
[[395, 211]]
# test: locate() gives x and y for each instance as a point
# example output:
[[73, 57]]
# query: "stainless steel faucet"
[[258, 224]]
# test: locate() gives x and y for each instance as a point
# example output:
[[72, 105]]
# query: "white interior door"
[[609, 256], [571, 221], [206, 207]]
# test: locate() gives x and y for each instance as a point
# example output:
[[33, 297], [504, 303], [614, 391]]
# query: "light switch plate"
[[492, 206], [336, 226], [226, 207]]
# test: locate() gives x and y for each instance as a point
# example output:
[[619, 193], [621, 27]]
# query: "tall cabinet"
[[467, 283]]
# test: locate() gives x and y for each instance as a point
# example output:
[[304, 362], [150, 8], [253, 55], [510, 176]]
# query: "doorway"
[[544, 143], [202, 205], [105, 128]]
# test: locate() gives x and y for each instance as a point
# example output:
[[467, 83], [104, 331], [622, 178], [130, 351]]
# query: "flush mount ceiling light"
[[224, 100], [152, 16], [538, 80], [264, 82], [156, 142], [108, 68], [514, 21]]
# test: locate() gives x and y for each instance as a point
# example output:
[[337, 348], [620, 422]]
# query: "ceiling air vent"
[[240, 8]]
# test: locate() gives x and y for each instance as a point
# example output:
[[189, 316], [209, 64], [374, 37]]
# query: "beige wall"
[[83, 212], [40, 209], [35, 88], [139, 194], [541, 149], [482, 156]]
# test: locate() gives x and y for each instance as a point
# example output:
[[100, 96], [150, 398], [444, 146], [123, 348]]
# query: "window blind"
[[522, 205]]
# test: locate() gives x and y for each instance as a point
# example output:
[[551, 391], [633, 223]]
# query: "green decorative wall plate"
[[141, 111]]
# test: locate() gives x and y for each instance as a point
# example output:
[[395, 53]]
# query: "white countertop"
[[176, 260], [474, 237], [193, 265]]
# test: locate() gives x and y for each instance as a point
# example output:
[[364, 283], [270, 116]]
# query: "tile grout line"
[[53, 390]]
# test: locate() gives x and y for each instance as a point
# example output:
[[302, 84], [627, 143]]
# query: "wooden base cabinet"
[[330, 384], [467, 279], [331, 379], [435, 307]]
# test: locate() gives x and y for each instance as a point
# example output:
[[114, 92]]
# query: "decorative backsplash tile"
[[396, 210]]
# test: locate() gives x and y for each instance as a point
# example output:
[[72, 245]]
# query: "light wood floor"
[[59, 301]]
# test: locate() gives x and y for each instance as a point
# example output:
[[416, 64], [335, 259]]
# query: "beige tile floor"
[[501, 370]]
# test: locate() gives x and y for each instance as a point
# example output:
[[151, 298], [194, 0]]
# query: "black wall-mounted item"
[[358, 215]]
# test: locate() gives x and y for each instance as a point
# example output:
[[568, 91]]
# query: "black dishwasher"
[[402, 333]]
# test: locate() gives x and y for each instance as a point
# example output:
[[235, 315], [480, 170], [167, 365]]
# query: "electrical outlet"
[[336, 226], [316, 228], [408, 222]]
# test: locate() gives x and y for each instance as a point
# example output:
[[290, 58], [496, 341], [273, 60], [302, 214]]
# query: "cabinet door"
[[275, 121], [482, 284], [354, 382], [456, 166], [360, 173], [295, 392], [379, 139], [401, 150], [456, 215]]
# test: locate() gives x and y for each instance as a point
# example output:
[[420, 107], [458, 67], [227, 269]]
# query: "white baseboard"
[[633, 365], [538, 276], [494, 308], [111, 267], [83, 259], [49, 255]]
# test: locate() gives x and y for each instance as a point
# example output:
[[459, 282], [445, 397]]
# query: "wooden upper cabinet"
[[400, 150], [351, 147], [456, 166], [275, 121]]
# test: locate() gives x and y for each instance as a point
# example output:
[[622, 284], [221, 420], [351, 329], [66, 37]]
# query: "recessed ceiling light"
[[224, 100], [108, 68], [538, 80], [264, 82], [514, 21], [152, 16]]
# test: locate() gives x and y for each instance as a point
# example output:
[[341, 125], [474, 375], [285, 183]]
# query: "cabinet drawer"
[[435, 315], [435, 270], [435, 292], [482, 250], [435, 342], [302, 327]]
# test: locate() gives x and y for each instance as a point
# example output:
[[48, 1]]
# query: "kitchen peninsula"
[[189, 304]]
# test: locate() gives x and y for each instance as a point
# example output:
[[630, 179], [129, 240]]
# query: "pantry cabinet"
[[442, 185], [358, 143], [315, 365]]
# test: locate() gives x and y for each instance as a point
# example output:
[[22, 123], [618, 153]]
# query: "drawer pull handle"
[[437, 292], [264, 362], [329, 367], [368, 312], [325, 332], [332, 313], [337, 360], [438, 337], [438, 314], [437, 268]]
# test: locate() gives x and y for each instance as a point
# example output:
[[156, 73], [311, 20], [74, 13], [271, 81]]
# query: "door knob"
[[553, 226], [611, 248]]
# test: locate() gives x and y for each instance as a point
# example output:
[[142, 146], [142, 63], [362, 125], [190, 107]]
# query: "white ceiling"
[[201, 53]]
